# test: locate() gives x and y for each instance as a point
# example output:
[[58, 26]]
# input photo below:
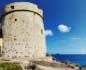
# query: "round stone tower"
[[23, 32]]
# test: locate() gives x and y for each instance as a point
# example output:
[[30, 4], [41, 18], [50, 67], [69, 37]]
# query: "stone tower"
[[23, 32]]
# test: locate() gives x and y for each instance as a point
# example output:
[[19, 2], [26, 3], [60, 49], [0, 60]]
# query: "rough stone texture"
[[0, 45], [0, 42], [23, 32]]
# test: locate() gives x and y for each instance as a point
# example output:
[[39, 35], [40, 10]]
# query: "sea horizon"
[[79, 59]]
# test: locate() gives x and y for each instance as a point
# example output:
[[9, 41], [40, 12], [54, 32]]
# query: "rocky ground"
[[44, 65], [84, 68], [38, 65]]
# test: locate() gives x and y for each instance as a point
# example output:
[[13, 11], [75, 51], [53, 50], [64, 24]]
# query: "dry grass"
[[50, 64]]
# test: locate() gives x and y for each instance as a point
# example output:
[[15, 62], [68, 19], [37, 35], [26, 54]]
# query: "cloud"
[[76, 38], [48, 32], [64, 28]]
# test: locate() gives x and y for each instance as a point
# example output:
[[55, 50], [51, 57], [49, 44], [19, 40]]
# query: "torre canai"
[[23, 32]]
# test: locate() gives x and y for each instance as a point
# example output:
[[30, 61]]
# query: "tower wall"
[[23, 32]]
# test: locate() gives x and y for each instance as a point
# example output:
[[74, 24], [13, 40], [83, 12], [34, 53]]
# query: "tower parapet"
[[23, 6]]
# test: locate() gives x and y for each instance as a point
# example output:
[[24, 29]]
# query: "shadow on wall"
[[1, 33]]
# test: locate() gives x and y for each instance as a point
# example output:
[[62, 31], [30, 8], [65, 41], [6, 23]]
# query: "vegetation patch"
[[10, 66]]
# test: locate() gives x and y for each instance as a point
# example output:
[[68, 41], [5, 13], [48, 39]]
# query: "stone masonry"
[[23, 32]]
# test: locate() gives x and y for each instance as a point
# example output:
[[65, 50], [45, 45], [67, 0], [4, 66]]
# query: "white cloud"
[[64, 28], [48, 32]]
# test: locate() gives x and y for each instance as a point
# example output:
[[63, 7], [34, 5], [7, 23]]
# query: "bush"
[[33, 67], [53, 58], [47, 54], [10, 66]]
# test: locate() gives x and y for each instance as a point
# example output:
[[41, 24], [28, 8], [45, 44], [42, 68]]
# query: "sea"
[[72, 58]]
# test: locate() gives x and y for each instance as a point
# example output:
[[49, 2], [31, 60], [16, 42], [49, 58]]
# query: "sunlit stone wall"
[[23, 32]]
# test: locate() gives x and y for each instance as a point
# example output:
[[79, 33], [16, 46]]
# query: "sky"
[[64, 22]]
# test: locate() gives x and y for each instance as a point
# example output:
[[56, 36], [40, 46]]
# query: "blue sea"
[[73, 58]]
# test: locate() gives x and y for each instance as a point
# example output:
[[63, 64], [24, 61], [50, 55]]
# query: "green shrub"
[[33, 67], [10, 66]]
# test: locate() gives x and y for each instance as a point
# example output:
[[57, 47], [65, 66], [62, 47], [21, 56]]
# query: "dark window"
[[12, 7], [15, 19]]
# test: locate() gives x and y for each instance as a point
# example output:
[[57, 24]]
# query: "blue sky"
[[65, 24]]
